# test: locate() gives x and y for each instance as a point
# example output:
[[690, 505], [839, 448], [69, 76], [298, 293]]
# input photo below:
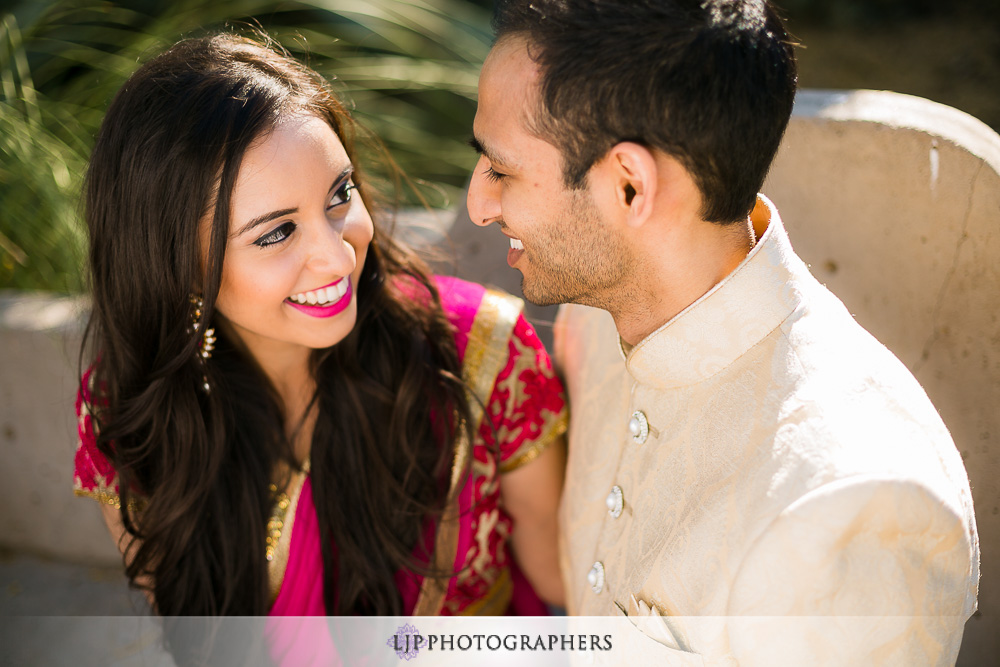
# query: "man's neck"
[[696, 259]]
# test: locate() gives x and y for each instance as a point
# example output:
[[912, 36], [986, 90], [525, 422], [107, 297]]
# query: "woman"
[[283, 413]]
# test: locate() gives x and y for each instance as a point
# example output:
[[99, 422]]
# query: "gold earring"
[[207, 342]]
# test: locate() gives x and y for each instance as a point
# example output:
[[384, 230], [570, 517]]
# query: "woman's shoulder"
[[479, 315], [464, 301], [460, 299], [93, 475]]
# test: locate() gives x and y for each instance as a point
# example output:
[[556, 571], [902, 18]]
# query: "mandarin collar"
[[729, 319]]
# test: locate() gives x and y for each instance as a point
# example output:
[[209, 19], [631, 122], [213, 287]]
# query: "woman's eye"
[[494, 175], [277, 236], [342, 195]]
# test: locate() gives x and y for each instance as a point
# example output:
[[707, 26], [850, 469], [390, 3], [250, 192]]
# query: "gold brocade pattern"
[[486, 351], [485, 355], [554, 426], [530, 450]]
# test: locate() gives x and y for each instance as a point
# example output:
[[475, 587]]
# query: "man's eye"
[[342, 195], [494, 175], [277, 236]]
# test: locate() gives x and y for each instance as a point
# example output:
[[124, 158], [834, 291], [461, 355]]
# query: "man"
[[749, 470]]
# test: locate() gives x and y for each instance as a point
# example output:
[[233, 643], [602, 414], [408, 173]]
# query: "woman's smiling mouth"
[[324, 302]]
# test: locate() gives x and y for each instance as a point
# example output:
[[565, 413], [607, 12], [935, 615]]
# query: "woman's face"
[[298, 238]]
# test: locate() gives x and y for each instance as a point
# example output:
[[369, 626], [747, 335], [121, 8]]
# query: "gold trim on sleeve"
[[101, 496], [530, 449]]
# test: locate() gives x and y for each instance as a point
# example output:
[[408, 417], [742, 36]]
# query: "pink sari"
[[503, 362], [502, 359]]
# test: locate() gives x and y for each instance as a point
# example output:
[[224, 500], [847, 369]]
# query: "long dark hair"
[[390, 399]]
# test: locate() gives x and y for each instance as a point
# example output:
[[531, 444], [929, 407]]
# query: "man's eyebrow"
[[345, 173], [478, 146]]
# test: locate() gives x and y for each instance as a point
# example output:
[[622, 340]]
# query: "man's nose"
[[483, 199]]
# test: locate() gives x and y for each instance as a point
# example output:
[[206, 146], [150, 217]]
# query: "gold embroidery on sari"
[[530, 449], [485, 354], [100, 495], [486, 471], [488, 522], [279, 531], [486, 350], [104, 494], [555, 423]]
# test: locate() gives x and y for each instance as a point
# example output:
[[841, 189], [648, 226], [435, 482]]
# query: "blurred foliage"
[[410, 68]]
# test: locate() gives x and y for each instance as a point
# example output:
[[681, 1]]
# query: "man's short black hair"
[[710, 82]]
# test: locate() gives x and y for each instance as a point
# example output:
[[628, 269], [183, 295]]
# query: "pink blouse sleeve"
[[528, 403], [93, 475]]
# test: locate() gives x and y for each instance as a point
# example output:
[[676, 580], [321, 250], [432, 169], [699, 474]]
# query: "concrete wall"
[[894, 201], [39, 346]]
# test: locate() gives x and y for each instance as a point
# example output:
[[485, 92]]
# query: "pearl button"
[[615, 501], [638, 427], [596, 577]]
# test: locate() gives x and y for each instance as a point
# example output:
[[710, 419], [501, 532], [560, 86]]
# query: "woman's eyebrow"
[[345, 173], [267, 217]]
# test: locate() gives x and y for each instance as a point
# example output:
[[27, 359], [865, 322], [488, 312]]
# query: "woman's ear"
[[633, 171]]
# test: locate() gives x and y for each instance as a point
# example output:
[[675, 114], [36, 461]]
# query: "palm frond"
[[408, 66]]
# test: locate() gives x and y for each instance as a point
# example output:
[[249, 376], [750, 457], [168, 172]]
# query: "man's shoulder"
[[846, 405], [841, 374]]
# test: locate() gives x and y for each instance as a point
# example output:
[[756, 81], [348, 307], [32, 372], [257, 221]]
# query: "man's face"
[[559, 240]]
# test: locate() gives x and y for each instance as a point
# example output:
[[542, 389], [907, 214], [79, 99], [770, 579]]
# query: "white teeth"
[[516, 244], [322, 296]]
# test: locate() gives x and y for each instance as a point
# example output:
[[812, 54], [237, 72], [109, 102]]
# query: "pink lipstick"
[[327, 309]]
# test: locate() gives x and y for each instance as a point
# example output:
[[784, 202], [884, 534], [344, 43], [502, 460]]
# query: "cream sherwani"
[[796, 498]]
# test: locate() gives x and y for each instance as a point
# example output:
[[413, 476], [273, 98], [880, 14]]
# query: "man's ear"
[[633, 171]]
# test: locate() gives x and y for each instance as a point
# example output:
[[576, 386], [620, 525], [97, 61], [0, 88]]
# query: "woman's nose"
[[329, 252]]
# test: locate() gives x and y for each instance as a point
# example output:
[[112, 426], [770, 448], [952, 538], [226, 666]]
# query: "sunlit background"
[[408, 67]]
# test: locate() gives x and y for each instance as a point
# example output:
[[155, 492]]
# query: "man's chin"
[[542, 295]]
